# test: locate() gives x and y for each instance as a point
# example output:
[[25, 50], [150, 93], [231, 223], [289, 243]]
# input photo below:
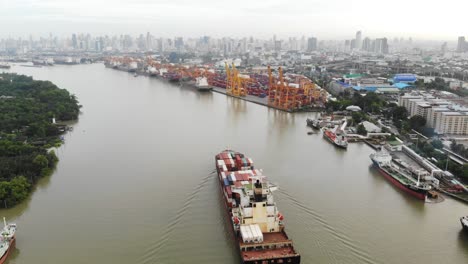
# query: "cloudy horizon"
[[241, 18]]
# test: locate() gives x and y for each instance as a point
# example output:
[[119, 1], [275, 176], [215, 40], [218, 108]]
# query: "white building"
[[442, 115], [453, 123]]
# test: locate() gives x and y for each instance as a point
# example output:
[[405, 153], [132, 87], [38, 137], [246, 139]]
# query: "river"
[[136, 183]]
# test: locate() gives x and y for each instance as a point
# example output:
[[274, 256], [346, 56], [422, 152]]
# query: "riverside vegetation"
[[27, 133]]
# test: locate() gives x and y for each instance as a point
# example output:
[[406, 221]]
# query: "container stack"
[[251, 234]]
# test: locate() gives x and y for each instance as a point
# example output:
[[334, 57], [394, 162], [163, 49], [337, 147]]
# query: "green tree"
[[361, 129], [437, 144], [19, 188], [41, 161], [399, 113], [417, 122], [357, 117], [465, 172]]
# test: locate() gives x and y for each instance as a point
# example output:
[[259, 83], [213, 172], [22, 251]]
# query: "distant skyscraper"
[[358, 42], [461, 44], [443, 48], [278, 45], [353, 44], [74, 41], [366, 44], [311, 44], [381, 46]]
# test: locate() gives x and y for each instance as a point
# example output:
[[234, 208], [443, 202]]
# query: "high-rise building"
[[443, 48], [312, 44], [74, 41], [358, 42], [366, 44], [381, 46], [461, 44], [277, 45]]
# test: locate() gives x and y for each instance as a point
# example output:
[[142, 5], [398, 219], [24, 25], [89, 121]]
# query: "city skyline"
[[223, 18]]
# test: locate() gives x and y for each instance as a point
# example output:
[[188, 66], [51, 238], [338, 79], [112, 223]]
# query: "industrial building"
[[356, 82]]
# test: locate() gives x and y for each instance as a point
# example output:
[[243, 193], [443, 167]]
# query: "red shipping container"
[[229, 191]]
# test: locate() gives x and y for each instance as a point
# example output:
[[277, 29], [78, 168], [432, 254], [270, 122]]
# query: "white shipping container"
[[220, 162], [254, 233], [260, 233], [223, 175], [248, 234], [258, 236], [243, 234], [233, 177], [224, 168]]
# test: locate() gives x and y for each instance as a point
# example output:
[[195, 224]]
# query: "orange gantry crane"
[[235, 83], [297, 92]]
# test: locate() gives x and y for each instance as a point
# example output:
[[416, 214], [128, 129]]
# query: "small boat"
[[464, 222], [135, 74]]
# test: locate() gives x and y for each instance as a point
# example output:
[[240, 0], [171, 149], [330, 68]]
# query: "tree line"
[[27, 132]]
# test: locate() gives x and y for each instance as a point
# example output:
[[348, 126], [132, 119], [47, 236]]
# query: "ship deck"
[[402, 178], [284, 248], [286, 252], [268, 239]]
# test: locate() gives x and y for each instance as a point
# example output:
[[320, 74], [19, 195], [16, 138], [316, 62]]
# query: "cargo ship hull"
[[266, 255], [418, 193], [11, 247]]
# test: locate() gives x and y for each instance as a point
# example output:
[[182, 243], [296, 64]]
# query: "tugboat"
[[257, 225], [464, 222], [7, 241]]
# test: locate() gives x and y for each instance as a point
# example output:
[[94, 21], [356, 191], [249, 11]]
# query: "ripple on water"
[[311, 217], [158, 246]]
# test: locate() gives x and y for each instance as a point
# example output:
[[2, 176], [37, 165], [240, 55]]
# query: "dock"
[[262, 101]]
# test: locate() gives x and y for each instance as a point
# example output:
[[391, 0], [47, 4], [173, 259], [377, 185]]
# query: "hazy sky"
[[326, 19]]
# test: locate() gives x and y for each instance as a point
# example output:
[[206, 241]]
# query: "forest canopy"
[[27, 108]]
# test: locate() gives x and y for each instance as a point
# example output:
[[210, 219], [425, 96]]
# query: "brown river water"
[[136, 183]]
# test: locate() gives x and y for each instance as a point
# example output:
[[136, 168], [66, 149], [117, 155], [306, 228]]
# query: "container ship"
[[398, 176], [171, 76], [257, 225], [464, 222], [337, 136], [201, 83], [7, 241]]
